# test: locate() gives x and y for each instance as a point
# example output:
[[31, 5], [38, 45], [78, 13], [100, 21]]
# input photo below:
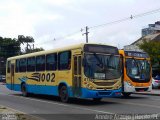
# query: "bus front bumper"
[[86, 93], [129, 88]]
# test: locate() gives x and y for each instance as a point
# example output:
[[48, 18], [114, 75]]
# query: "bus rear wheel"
[[63, 94], [24, 90]]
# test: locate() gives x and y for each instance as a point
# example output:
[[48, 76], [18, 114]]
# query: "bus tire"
[[97, 99], [63, 94], [24, 90], [125, 94]]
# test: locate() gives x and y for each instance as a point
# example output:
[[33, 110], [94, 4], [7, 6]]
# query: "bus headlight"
[[89, 86], [129, 83]]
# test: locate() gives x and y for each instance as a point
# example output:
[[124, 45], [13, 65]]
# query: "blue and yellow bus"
[[80, 71]]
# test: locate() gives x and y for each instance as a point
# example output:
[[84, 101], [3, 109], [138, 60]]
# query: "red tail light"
[[118, 93], [157, 81]]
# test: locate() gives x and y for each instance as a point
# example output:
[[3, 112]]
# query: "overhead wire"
[[105, 24], [59, 38], [127, 18]]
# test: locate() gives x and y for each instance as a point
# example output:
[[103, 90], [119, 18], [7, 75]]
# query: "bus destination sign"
[[136, 54], [101, 49]]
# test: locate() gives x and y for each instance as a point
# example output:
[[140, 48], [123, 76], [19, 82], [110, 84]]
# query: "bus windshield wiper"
[[101, 65]]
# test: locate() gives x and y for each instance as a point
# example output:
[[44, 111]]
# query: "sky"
[[58, 23]]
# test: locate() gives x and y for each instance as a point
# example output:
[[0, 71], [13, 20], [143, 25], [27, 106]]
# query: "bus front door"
[[12, 76], [77, 76]]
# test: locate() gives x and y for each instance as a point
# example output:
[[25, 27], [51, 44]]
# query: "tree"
[[12, 47], [27, 40], [153, 49], [33, 50], [22, 39], [9, 47]]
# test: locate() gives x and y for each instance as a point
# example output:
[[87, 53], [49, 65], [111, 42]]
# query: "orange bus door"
[[77, 68], [12, 76]]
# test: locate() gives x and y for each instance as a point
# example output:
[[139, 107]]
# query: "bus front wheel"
[[24, 90], [63, 94], [125, 94], [97, 99]]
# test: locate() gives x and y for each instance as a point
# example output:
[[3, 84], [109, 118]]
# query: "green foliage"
[[28, 39], [9, 47], [33, 50], [153, 49]]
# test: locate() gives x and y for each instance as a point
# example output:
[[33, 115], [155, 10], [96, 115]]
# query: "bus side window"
[[51, 61], [31, 64], [17, 65], [8, 66], [64, 60], [22, 65], [40, 63], [121, 63]]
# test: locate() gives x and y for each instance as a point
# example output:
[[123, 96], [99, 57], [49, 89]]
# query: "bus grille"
[[104, 83]]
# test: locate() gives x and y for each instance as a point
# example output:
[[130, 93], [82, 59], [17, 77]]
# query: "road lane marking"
[[61, 104], [155, 99], [130, 103]]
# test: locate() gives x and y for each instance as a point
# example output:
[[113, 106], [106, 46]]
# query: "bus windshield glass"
[[102, 66], [138, 69]]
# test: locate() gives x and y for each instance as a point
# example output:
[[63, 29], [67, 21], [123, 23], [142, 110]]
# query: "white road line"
[[60, 104], [146, 105], [155, 99]]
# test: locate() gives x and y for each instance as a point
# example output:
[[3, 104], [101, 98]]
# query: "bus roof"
[[81, 45]]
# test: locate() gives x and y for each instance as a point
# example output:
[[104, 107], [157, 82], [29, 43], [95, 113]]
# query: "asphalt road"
[[49, 107]]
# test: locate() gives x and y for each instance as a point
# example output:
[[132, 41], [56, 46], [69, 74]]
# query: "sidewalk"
[[2, 83], [155, 92], [11, 114]]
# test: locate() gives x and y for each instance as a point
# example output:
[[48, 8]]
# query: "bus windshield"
[[138, 69], [102, 66]]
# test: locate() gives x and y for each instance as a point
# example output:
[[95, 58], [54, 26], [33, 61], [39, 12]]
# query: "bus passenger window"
[[40, 63], [8, 66], [17, 65], [64, 60], [51, 62], [31, 64], [22, 65]]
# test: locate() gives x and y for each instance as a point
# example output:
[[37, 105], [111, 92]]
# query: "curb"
[[153, 94], [7, 113]]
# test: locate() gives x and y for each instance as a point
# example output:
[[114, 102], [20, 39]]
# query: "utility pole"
[[86, 33]]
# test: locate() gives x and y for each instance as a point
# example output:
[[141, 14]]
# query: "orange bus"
[[136, 69]]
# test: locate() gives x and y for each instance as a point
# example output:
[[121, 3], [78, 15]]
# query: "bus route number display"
[[136, 54]]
